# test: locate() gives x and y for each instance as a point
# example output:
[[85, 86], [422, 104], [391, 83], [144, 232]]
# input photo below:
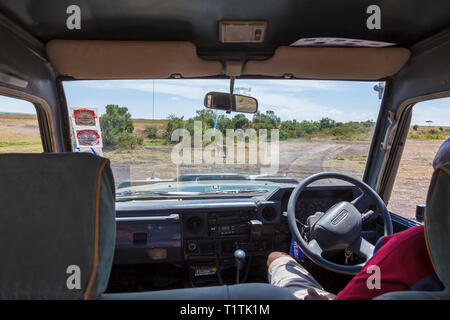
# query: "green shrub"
[[114, 123], [173, 124], [415, 127], [16, 143], [151, 132], [129, 141]]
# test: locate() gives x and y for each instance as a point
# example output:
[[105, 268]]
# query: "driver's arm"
[[401, 263], [403, 259], [285, 272]]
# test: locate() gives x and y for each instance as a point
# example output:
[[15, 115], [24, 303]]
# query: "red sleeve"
[[402, 261]]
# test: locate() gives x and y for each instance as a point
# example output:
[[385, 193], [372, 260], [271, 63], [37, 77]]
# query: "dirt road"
[[304, 159], [299, 159]]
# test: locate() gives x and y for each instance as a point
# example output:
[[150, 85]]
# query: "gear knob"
[[239, 255]]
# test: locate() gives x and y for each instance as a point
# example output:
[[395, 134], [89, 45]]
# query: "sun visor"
[[90, 59], [331, 63]]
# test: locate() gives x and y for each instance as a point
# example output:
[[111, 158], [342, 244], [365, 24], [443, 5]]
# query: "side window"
[[430, 127], [19, 127]]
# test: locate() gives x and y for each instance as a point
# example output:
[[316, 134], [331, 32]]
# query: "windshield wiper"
[[139, 195], [130, 193], [157, 195], [237, 191]]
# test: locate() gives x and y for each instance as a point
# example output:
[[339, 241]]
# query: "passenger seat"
[[58, 232]]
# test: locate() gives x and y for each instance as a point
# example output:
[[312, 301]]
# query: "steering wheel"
[[340, 227]]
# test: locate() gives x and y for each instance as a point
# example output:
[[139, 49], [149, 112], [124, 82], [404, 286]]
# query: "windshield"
[[163, 142]]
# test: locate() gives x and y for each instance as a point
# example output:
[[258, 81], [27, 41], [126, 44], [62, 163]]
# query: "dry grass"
[[17, 116], [19, 133], [141, 124], [298, 158], [428, 132], [413, 177]]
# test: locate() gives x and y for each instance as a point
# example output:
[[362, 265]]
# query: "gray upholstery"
[[437, 222], [49, 207], [415, 295], [245, 291], [48, 222], [437, 230]]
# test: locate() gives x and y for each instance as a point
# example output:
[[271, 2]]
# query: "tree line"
[[117, 126], [288, 129]]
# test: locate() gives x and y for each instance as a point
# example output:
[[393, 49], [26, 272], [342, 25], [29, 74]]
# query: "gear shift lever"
[[239, 256]]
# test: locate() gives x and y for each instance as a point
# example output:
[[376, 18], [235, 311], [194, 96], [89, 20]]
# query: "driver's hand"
[[314, 295], [275, 255]]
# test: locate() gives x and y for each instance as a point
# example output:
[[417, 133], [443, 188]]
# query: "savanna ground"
[[298, 158]]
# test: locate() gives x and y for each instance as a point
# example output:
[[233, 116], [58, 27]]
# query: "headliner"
[[404, 22]]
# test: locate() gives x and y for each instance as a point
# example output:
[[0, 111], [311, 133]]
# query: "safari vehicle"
[[205, 234]]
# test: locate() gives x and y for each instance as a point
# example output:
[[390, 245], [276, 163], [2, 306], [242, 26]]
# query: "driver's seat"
[[437, 234]]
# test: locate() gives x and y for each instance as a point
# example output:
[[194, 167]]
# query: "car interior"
[[61, 208]]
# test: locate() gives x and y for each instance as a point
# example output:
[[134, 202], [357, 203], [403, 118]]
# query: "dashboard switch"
[[256, 228], [140, 238], [192, 246]]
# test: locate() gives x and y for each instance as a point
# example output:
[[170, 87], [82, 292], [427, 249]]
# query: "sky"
[[290, 99]]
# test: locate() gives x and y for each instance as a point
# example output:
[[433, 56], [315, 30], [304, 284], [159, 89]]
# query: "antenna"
[[153, 117], [380, 89]]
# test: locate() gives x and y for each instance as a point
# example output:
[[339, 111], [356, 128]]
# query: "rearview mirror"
[[230, 102]]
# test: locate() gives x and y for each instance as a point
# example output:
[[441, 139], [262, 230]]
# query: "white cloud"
[[279, 95], [12, 105], [437, 111], [290, 99], [193, 89], [190, 89]]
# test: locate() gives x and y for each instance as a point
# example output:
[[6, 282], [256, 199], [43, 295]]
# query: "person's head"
[[443, 155]]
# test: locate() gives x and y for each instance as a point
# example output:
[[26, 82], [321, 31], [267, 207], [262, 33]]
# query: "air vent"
[[269, 213], [194, 224], [242, 31]]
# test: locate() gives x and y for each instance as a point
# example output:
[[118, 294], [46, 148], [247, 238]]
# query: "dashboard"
[[206, 232]]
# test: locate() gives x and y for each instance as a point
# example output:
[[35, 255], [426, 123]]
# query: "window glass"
[[310, 126], [19, 127], [430, 126]]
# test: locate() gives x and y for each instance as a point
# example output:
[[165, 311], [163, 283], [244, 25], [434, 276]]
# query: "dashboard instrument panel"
[[210, 230]]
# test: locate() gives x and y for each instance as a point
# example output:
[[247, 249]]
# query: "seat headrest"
[[57, 225], [437, 222]]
